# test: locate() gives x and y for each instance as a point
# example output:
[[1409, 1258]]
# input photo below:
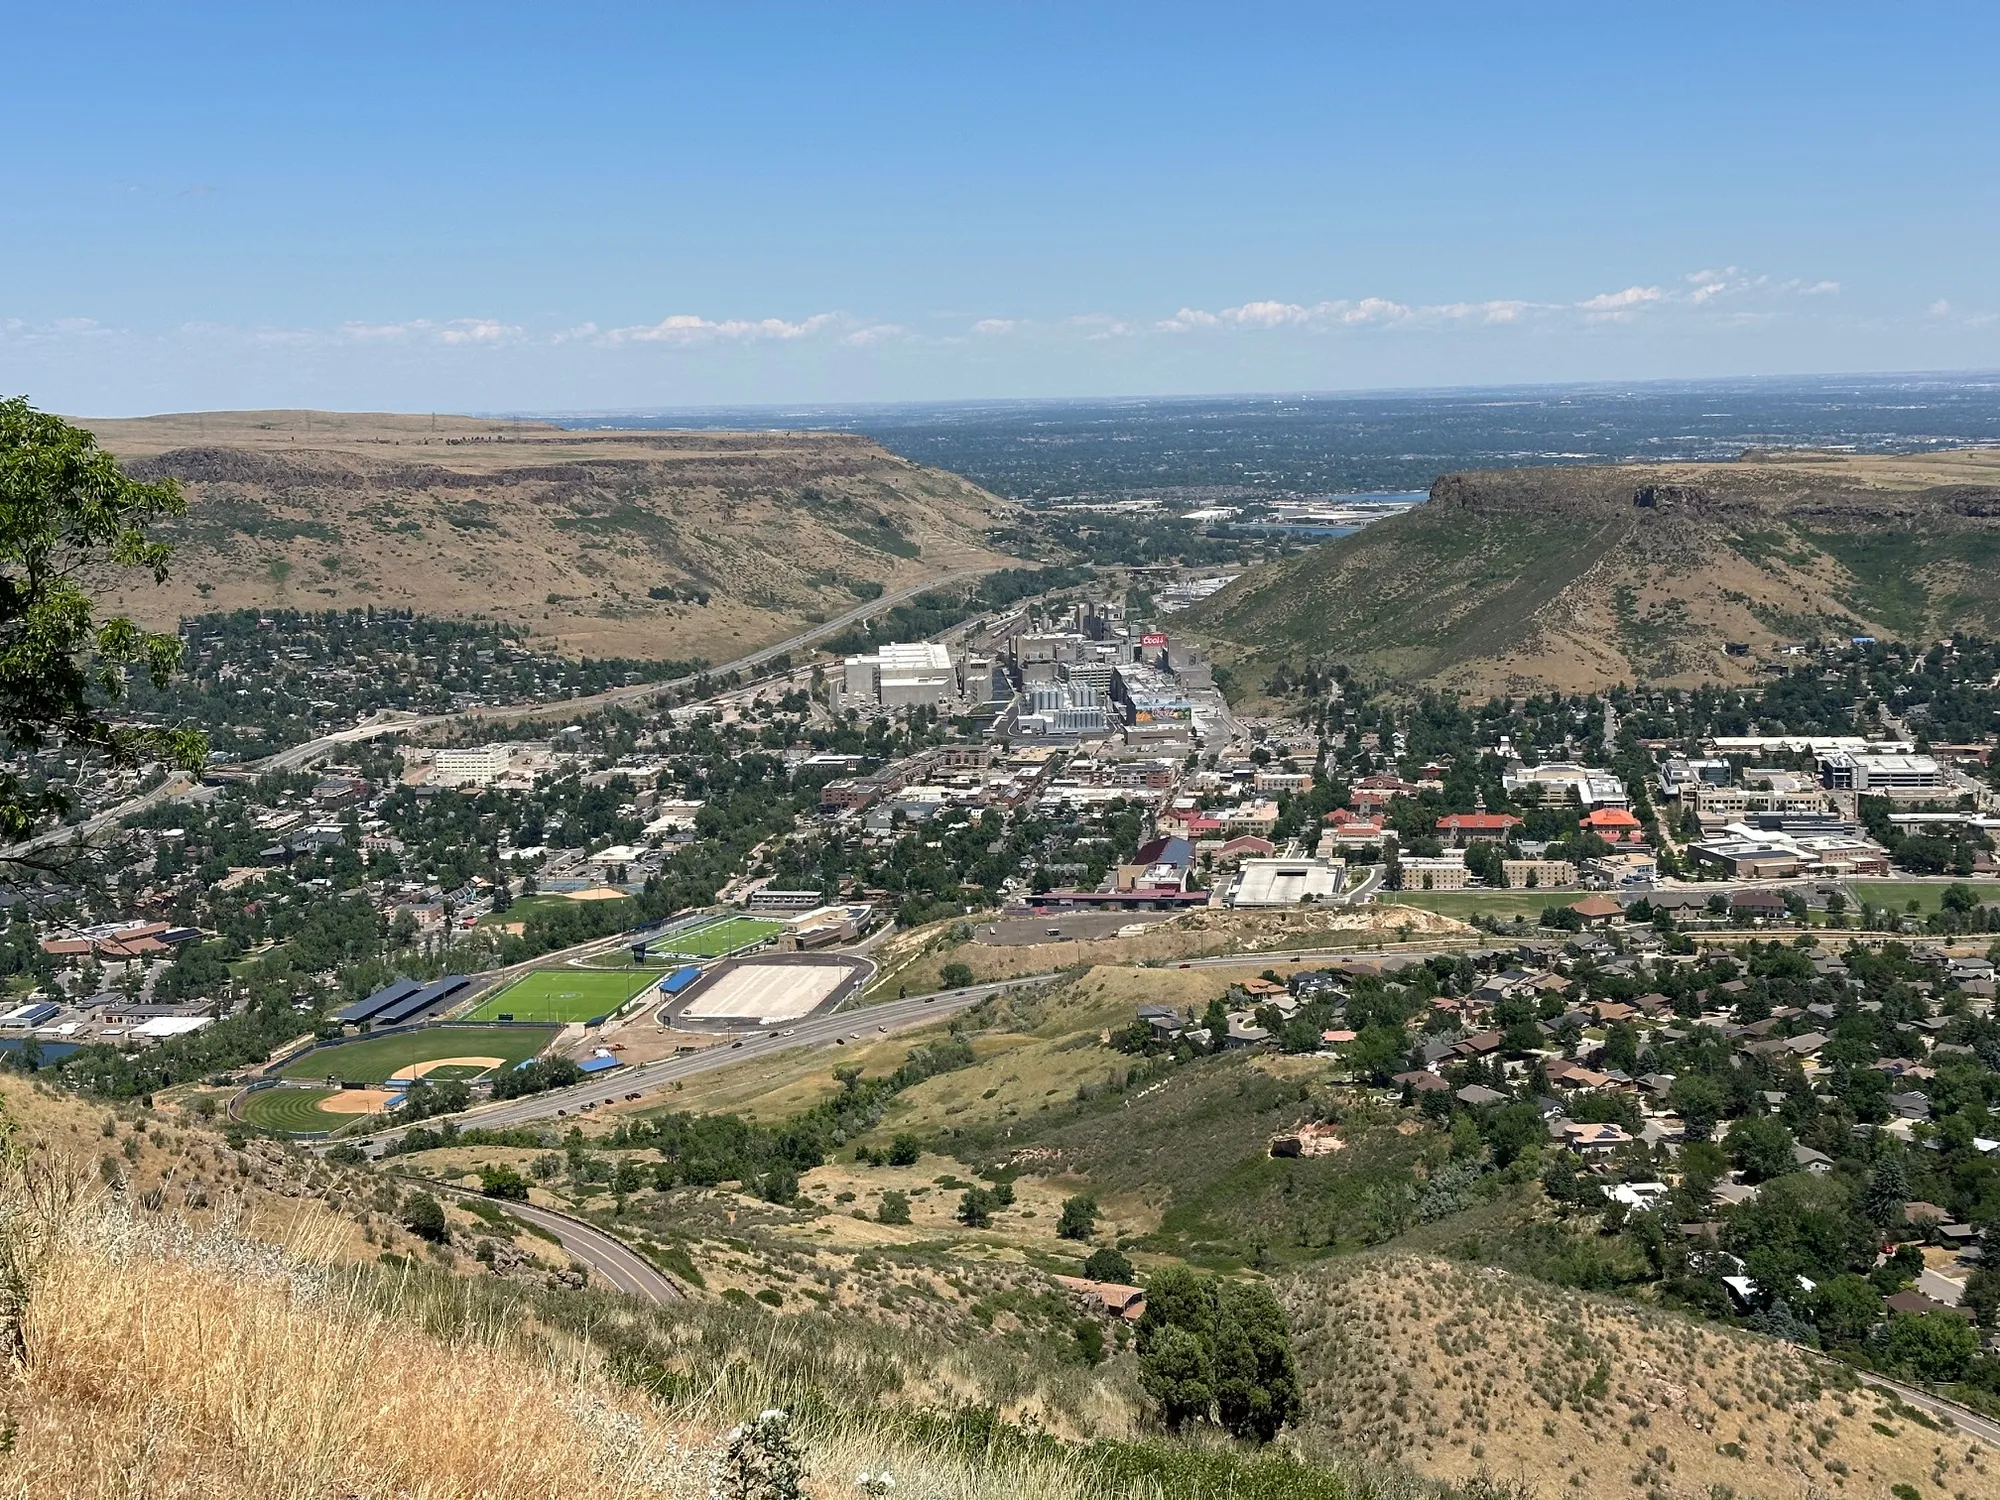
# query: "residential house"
[[1591, 1140], [1597, 911]]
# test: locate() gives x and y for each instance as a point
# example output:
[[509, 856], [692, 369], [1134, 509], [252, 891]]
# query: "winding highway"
[[389, 721], [618, 1264], [1963, 1418]]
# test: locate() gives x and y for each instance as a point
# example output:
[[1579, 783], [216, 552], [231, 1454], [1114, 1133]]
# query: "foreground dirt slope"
[[1581, 578], [565, 533], [1459, 1371]]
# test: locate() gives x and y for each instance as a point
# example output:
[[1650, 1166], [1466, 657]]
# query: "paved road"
[[1364, 892], [390, 722], [1966, 1420], [179, 784], [610, 1258], [821, 1031]]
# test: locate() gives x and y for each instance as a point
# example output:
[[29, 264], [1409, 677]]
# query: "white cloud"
[[875, 333], [1099, 325], [1940, 309], [687, 328], [1620, 304], [993, 326], [1267, 314], [1503, 311], [450, 331]]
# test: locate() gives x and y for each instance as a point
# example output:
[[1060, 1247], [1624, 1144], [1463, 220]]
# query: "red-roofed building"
[[1614, 825], [1249, 846], [1352, 829], [1472, 827], [1372, 793]]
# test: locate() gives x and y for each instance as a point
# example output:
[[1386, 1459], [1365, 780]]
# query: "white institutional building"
[[899, 676]]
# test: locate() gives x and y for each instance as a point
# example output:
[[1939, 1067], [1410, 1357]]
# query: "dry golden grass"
[[240, 1351], [914, 960], [1458, 1371], [164, 1362], [560, 532]]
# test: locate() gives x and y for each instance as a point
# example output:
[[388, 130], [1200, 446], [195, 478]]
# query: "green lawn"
[[1467, 904], [725, 936], [375, 1059], [1897, 894], [562, 995], [525, 907], [295, 1111]]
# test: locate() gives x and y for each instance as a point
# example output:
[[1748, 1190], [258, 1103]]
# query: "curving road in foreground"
[[1962, 1418], [618, 1264]]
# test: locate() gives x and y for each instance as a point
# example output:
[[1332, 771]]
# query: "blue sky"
[[594, 207]]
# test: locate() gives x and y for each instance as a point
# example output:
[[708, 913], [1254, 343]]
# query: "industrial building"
[[899, 675], [1066, 710]]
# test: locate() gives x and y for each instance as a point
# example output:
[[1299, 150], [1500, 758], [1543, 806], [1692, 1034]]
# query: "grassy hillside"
[[609, 542], [1580, 578], [1414, 1359], [1460, 1372]]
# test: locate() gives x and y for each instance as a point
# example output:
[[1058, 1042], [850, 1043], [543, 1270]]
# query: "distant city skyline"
[[616, 207]]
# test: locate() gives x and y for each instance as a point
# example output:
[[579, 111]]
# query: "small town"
[[1069, 753]]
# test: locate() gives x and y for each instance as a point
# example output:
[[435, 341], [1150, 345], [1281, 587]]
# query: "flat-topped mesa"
[[602, 542], [1597, 490], [1710, 491]]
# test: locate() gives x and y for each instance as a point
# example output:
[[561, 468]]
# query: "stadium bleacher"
[[427, 997], [381, 1000]]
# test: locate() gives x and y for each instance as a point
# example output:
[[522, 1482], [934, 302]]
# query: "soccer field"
[[563, 995], [725, 936], [376, 1059]]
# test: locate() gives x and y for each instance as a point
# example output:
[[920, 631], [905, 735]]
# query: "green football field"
[[563, 995], [295, 1111], [713, 941], [375, 1059]]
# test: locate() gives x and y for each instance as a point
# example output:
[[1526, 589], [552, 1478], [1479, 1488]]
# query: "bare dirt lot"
[[1016, 932], [355, 1101], [420, 1070], [913, 961]]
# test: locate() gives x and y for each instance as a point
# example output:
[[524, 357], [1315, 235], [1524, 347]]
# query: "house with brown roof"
[[1422, 1081], [1109, 1299], [1597, 911], [1592, 1140]]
